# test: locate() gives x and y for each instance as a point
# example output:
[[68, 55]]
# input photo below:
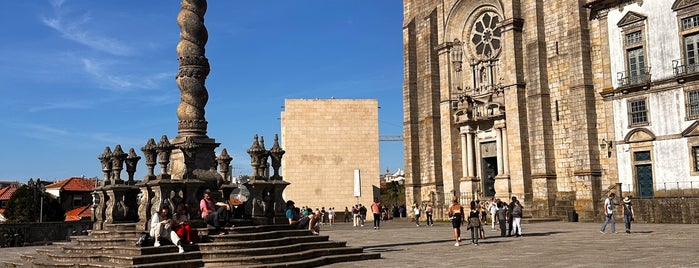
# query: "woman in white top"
[[161, 227]]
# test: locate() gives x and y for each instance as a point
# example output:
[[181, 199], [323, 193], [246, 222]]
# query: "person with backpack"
[[517, 218], [456, 215], [609, 213], [474, 222]]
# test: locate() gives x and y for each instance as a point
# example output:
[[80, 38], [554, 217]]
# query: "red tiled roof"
[[78, 213], [74, 184], [7, 192]]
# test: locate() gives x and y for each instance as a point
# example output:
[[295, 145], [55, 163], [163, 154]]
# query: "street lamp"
[[42, 188]]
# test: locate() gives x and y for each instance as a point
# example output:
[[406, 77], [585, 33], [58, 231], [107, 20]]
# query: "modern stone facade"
[[502, 98], [326, 140]]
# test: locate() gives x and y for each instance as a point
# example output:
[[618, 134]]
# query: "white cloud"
[[75, 29], [60, 105], [106, 78]]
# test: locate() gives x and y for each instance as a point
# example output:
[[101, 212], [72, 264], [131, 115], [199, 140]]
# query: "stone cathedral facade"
[[502, 98]]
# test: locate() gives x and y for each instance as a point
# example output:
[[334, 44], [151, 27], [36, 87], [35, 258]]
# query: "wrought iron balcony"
[[685, 71], [639, 78]]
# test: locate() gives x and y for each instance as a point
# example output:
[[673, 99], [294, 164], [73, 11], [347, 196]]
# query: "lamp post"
[[42, 188]]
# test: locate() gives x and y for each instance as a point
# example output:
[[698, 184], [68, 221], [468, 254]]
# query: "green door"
[[644, 177]]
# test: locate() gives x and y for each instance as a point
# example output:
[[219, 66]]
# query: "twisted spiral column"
[[193, 69]]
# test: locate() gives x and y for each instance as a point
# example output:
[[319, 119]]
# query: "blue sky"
[[79, 75]]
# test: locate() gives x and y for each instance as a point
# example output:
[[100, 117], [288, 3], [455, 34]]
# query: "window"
[[636, 73], [638, 113], [641, 156], [634, 38], [691, 52], [692, 104], [636, 65], [690, 22]]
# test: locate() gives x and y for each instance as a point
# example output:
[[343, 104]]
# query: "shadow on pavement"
[[381, 247]]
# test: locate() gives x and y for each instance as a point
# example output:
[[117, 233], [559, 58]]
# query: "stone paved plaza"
[[544, 244]]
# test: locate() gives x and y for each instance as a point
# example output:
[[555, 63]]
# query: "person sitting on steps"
[[212, 212], [161, 228]]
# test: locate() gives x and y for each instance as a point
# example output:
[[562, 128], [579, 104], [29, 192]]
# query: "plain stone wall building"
[[326, 140]]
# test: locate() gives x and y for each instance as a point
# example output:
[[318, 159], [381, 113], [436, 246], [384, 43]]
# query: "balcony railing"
[[640, 77], [683, 70]]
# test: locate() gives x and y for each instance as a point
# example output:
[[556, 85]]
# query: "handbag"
[[143, 239]]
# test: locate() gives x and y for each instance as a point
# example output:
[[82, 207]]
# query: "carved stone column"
[[499, 146]]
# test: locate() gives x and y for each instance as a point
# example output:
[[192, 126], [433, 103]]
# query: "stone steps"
[[278, 259], [323, 260], [263, 246], [265, 251], [261, 243]]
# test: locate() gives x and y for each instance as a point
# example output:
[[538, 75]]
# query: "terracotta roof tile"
[[7, 192], [74, 184], [78, 213]]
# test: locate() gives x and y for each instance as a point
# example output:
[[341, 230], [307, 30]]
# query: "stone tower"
[[501, 99]]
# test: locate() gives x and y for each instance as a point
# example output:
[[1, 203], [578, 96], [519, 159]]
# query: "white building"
[[654, 53]]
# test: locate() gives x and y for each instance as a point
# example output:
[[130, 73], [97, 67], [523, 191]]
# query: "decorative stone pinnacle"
[[118, 157], [131, 162], [224, 160], [151, 153], [164, 149], [105, 160]]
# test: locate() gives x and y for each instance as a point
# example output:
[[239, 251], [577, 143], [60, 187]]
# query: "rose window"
[[486, 35]]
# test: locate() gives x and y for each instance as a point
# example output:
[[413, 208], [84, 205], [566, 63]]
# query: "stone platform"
[[544, 244]]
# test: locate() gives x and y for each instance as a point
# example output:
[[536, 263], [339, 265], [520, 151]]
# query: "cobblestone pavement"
[[544, 244]]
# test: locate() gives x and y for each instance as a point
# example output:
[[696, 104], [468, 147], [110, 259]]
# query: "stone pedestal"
[[98, 208], [121, 203], [204, 162], [266, 205]]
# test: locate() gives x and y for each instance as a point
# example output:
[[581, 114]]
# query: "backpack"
[[517, 211]]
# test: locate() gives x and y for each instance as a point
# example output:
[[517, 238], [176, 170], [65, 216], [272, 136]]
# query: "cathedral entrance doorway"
[[490, 168]]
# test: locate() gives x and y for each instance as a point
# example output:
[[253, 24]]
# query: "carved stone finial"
[[118, 157], [254, 153], [224, 160], [151, 153], [131, 162], [276, 154], [105, 160], [164, 149]]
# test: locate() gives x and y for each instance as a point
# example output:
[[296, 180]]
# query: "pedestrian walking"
[[628, 213], [428, 213], [347, 215], [502, 218], [609, 213], [474, 222], [376, 210], [517, 218], [456, 215], [493, 209], [416, 211]]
